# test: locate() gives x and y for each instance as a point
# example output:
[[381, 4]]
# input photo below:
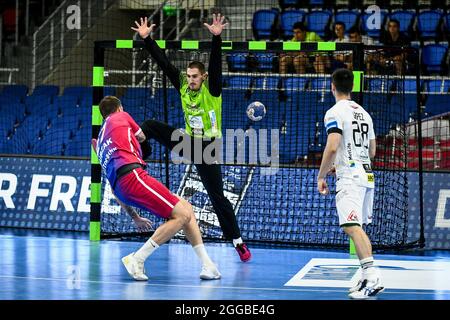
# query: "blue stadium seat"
[[347, 17], [46, 90], [318, 22], [109, 91], [263, 24], [238, 82], [267, 83], [297, 83], [237, 61], [374, 84], [434, 86], [18, 90], [446, 88], [321, 84], [16, 109], [433, 57], [137, 93], [265, 61], [35, 103], [287, 20], [447, 23], [369, 26], [406, 19], [79, 146], [428, 22], [77, 91], [437, 104], [5, 99]]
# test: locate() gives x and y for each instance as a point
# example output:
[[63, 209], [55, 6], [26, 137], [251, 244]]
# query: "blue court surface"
[[42, 266]]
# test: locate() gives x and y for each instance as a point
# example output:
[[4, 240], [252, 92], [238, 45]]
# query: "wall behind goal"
[[55, 193]]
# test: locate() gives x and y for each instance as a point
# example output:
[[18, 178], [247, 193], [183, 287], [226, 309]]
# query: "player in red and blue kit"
[[120, 156]]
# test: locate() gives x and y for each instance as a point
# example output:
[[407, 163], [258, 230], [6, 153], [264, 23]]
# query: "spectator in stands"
[[341, 59], [301, 60], [339, 32], [356, 36], [394, 58]]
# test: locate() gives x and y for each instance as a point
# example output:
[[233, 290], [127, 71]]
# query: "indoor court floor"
[[63, 266]]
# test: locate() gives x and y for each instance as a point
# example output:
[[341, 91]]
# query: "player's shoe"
[[357, 287], [134, 267], [243, 252], [210, 273], [369, 289]]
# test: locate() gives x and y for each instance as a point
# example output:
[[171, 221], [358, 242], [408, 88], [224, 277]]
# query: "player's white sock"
[[200, 250], [146, 250], [369, 271], [237, 241]]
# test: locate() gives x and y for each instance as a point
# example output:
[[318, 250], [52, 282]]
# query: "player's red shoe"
[[243, 252]]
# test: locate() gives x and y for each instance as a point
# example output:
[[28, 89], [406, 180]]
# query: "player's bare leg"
[[370, 284], [192, 232]]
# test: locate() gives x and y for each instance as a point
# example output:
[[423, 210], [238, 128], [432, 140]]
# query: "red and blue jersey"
[[117, 144]]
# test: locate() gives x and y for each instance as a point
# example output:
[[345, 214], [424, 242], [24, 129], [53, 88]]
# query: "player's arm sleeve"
[[135, 128], [333, 123], [161, 59], [215, 67]]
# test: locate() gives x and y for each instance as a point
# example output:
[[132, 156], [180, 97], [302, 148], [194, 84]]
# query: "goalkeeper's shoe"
[[369, 289], [134, 267]]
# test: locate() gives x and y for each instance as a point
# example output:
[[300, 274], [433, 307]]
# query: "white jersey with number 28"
[[348, 118]]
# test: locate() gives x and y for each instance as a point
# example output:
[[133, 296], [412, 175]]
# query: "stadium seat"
[[434, 86], [318, 22], [137, 93], [265, 61], [77, 91], [321, 84], [46, 90], [446, 88], [35, 103], [375, 85], [238, 82], [287, 20], [447, 23], [433, 58], [427, 23], [437, 104], [263, 24], [406, 19], [297, 83], [347, 17], [267, 83], [237, 61], [109, 91], [17, 90]]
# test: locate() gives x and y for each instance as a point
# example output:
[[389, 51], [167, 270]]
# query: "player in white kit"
[[350, 147]]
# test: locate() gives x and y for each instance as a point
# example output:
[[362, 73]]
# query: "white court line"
[[326, 289]]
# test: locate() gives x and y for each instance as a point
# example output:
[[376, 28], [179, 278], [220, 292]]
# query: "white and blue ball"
[[256, 111]]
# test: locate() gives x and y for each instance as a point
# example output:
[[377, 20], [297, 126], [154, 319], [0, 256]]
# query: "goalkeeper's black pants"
[[210, 174]]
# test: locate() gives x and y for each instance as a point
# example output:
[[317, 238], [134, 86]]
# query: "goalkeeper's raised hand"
[[143, 29]]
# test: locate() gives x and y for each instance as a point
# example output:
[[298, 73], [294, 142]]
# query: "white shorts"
[[354, 204]]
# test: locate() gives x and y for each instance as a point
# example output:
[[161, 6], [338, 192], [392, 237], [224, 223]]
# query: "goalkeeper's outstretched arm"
[[157, 54]]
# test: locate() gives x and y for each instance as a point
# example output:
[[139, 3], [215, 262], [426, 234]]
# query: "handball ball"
[[256, 111]]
